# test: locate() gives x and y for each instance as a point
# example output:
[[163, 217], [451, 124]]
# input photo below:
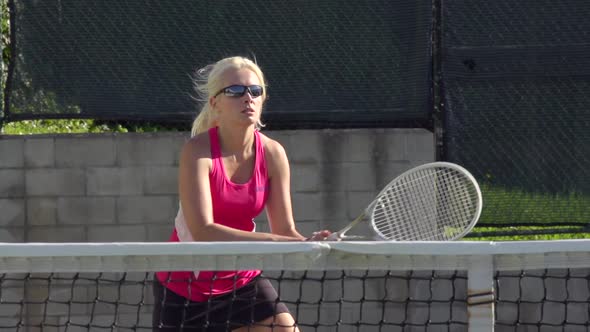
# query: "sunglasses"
[[239, 90]]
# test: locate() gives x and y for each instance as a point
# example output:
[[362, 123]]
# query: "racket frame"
[[340, 235]]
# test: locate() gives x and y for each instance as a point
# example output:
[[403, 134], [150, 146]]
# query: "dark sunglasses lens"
[[235, 90], [240, 90], [255, 90]]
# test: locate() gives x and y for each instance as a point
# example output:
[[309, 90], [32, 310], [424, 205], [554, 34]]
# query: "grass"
[[508, 206], [532, 236], [505, 206], [75, 126], [82, 126]]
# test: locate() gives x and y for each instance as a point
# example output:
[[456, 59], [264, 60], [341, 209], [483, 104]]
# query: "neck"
[[236, 141]]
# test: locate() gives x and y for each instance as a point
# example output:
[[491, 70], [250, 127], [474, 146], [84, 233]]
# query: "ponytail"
[[203, 121]]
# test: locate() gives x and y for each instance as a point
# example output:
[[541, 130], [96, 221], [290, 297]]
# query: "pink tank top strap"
[[260, 165], [217, 170], [260, 159], [214, 142]]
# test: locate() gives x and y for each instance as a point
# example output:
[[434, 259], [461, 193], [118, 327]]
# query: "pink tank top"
[[234, 205]]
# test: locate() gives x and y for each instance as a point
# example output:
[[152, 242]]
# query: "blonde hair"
[[208, 81]]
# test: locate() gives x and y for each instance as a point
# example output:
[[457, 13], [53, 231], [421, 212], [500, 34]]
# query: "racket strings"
[[431, 204], [442, 206], [442, 210]]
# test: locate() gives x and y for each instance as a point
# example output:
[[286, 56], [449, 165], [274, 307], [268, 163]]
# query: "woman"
[[228, 173]]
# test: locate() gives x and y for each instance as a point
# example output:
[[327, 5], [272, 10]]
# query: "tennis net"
[[331, 286]]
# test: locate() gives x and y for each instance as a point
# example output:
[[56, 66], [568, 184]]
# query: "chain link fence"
[[328, 63], [505, 85], [516, 86]]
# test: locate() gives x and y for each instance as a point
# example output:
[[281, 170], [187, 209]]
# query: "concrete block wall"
[[123, 187], [87, 188]]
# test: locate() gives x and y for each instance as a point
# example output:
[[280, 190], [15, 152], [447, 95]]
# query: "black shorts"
[[252, 303]]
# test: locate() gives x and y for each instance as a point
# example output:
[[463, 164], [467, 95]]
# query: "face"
[[233, 109]]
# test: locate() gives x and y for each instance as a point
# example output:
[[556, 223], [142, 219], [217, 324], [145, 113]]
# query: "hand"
[[319, 236]]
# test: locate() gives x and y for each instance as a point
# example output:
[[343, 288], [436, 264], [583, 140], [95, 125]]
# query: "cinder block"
[[305, 178], [360, 146], [307, 206], [147, 149], [334, 146], [82, 151], [12, 234], [56, 234], [359, 176], [118, 233], [86, 210], [357, 202], [385, 172], [332, 177], [147, 210], [12, 212], [55, 182], [40, 152], [159, 233], [305, 147], [41, 211], [12, 183], [105, 181], [161, 180], [11, 152], [333, 206], [420, 146], [393, 143]]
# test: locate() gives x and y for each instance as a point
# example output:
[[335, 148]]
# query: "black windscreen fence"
[[328, 63], [505, 85], [516, 82]]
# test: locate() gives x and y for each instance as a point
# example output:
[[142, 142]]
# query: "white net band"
[[399, 256]]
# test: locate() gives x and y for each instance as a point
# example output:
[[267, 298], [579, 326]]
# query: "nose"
[[248, 96]]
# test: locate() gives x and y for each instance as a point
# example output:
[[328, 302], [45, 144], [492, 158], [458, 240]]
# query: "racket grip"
[[334, 237]]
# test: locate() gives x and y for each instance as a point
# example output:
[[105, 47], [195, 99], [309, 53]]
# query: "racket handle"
[[334, 237]]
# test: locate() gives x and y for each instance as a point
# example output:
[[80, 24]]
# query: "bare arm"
[[278, 205], [195, 198]]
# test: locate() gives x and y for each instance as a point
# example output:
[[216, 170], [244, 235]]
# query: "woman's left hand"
[[319, 236]]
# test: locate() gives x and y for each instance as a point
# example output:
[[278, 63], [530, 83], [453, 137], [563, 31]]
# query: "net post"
[[480, 293]]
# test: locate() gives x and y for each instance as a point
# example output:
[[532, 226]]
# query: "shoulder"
[[272, 149], [275, 155], [196, 148]]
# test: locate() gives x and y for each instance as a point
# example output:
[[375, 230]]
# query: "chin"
[[249, 122], [252, 119]]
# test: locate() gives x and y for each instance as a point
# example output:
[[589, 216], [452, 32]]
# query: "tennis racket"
[[438, 201]]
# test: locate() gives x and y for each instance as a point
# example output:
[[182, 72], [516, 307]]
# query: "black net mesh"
[[526, 300], [542, 300], [517, 88], [328, 63], [318, 300]]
